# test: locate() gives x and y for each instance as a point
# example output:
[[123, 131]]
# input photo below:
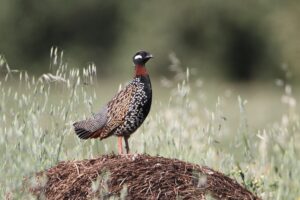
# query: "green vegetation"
[[240, 40], [192, 122]]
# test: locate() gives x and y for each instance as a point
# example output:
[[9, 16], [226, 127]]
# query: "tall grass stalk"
[[37, 115]]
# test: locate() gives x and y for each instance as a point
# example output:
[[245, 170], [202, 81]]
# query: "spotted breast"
[[125, 112]]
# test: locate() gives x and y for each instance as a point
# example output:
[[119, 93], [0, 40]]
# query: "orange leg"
[[120, 148], [126, 144]]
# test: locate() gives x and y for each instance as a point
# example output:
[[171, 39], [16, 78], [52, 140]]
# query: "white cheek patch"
[[137, 57]]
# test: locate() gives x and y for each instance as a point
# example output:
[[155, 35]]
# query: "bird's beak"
[[149, 56]]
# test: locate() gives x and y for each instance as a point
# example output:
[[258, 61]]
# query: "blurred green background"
[[236, 110], [232, 40]]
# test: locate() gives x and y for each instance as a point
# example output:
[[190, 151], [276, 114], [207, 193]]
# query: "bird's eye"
[[137, 57]]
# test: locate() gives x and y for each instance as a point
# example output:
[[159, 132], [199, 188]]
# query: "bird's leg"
[[120, 148], [126, 144]]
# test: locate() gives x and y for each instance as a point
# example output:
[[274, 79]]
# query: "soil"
[[134, 177]]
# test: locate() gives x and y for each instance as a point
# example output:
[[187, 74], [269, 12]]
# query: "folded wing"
[[103, 124]]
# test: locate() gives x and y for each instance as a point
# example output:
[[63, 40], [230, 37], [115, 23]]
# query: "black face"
[[141, 57]]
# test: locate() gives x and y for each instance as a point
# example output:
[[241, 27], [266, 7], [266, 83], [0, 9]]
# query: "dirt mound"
[[135, 177]]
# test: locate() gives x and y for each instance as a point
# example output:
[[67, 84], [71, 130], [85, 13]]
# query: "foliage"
[[37, 115], [241, 40]]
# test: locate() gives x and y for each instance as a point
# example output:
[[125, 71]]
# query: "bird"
[[125, 112]]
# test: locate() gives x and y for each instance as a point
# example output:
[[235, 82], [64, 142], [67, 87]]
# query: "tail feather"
[[81, 132], [89, 128]]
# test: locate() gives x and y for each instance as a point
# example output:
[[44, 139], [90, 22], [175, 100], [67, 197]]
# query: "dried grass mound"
[[135, 177]]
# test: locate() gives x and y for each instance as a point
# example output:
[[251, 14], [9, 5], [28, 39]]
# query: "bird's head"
[[141, 57]]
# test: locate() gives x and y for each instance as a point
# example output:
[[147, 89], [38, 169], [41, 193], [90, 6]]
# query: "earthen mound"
[[135, 177]]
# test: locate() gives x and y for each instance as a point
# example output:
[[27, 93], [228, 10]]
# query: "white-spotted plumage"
[[125, 112], [138, 108]]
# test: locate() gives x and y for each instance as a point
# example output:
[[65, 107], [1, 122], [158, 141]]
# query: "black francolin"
[[125, 112]]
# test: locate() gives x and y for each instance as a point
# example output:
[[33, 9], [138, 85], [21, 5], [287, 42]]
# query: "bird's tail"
[[81, 130]]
